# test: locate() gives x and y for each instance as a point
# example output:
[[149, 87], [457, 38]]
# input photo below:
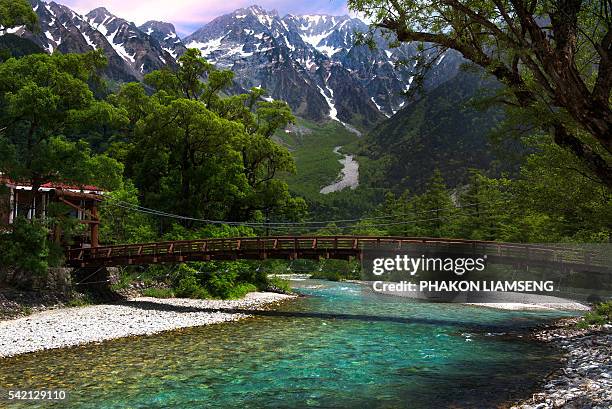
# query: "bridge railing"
[[290, 246]]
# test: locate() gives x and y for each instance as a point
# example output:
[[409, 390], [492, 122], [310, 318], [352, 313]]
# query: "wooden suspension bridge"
[[564, 258]]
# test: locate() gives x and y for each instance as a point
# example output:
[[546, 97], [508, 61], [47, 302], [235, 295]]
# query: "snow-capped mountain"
[[328, 34], [131, 52], [266, 51], [310, 61], [165, 34], [63, 30], [313, 63], [138, 49]]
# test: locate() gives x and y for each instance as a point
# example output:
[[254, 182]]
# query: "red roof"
[[53, 185]]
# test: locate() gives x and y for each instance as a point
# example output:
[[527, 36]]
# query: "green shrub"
[[188, 287], [178, 232], [240, 290], [601, 314], [124, 280], [253, 275], [281, 284], [337, 270], [221, 283], [224, 280], [158, 292], [28, 250], [605, 310], [80, 301]]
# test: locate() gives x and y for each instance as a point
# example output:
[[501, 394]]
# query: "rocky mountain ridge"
[[310, 61], [131, 51]]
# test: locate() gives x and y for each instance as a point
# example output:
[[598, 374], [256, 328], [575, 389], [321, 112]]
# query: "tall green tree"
[[193, 151], [185, 160], [434, 210], [430, 214], [557, 193], [41, 97], [485, 207], [17, 13], [553, 56], [120, 224]]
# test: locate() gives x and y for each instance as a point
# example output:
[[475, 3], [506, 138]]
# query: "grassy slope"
[[318, 166]]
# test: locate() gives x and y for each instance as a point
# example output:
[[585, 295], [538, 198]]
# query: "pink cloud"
[[188, 15]]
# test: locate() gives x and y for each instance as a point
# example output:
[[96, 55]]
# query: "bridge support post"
[[95, 226], [94, 281]]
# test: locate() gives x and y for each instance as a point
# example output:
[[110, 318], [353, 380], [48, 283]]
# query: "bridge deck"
[[334, 247]]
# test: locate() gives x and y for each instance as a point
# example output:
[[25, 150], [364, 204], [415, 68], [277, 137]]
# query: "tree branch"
[[594, 162], [603, 83]]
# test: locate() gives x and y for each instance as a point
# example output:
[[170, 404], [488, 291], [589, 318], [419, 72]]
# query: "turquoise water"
[[339, 347]]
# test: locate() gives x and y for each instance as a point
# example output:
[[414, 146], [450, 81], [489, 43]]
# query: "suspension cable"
[[300, 226], [155, 212]]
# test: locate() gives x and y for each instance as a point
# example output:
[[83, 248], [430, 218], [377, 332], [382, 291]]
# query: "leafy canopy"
[[42, 97], [192, 150], [16, 13]]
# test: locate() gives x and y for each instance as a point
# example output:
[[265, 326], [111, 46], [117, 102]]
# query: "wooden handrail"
[[318, 246]]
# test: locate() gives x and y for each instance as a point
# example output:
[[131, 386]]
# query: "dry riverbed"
[[67, 327], [349, 174]]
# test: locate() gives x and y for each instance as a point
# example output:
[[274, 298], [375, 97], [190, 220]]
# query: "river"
[[340, 346]]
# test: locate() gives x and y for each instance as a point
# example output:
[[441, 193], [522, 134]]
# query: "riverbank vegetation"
[[600, 315], [210, 280], [547, 203]]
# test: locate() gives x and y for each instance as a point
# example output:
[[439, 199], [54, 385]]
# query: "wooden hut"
[[17, 199]]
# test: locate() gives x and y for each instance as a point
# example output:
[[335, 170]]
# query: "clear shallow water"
[[341, 346]]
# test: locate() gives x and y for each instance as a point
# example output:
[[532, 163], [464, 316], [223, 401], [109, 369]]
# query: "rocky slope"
[[165, 34], [317, 55], [140, 51]]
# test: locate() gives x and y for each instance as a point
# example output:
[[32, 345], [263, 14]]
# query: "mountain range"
[[315, 64], [310, 61]]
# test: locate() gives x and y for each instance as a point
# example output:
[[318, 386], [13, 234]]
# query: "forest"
[[183, 158]]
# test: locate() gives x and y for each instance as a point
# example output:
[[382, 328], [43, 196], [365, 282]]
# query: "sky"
[[189, 15]]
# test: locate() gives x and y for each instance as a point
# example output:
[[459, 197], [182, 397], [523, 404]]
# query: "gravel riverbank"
[[585, 380], [66, 327]]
